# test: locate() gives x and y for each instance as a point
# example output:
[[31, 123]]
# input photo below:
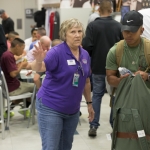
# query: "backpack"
[[131, 129], [120, 49], [131, 120]]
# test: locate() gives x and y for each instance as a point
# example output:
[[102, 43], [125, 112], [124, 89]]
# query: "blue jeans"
[[98, 92], [56, 129]]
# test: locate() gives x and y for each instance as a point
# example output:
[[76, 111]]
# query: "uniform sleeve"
[[51, 60], [11, 63], [111, 63], [3, 46], [87, 42]]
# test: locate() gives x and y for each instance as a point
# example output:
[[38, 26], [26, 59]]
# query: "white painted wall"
[[16, 10], [50, 1], [39, 4], [29, 21], [80, 13], [67, 12]]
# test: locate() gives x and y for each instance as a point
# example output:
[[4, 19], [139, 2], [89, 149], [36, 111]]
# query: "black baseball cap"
[[1, 11], [132, 20]]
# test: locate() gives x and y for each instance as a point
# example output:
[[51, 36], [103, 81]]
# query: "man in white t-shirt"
[[146, 22], [45, 43], [33, 38]]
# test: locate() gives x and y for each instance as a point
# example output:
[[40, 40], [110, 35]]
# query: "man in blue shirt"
[[40, 32]]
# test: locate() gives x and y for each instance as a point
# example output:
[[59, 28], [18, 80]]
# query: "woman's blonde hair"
[[69, 24]]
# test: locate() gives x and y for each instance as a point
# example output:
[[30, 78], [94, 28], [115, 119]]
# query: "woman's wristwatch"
[[88, 103]]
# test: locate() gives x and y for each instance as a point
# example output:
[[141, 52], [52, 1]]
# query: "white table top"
[[24, 74]]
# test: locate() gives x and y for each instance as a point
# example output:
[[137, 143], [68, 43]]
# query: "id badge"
[[75, 79]]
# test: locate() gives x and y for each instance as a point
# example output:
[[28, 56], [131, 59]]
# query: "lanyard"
[[79, 67]]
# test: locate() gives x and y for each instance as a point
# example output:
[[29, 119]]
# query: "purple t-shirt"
[[57, 91], [8, 64]]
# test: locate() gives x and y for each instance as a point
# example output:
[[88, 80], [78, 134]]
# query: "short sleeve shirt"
[[135, 54], [27, 44], [30, 56], [8, 64], [57, 90]]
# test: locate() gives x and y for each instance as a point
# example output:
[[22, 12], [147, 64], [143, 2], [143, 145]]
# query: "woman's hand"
[[91, 112], [39, 54]]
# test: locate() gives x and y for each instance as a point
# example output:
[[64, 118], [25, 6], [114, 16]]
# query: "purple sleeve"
[[51, 60]]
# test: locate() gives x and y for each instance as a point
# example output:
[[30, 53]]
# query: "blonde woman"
[[67, 69]]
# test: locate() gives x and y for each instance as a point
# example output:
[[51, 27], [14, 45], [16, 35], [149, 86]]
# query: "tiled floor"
[[19, 137]]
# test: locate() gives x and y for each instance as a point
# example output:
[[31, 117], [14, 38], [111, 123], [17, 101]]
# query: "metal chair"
[[12, 98], [32, 108], [1, 112]]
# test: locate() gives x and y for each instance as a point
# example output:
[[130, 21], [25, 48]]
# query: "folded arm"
[[14, 73], [112, 78]]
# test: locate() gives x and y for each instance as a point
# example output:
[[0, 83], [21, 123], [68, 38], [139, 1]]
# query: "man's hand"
[[19, 64], [144, 75], [34, 39], [124, 76], [39, 54], [24, 64], [113, 79], [91, 112]]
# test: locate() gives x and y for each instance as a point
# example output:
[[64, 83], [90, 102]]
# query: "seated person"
[[40, 32], [45, 42], [11, 70], [11, 36], [38, 75], [31, 39]]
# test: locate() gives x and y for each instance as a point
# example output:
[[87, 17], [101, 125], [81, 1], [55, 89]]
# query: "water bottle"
[[123, 71]]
